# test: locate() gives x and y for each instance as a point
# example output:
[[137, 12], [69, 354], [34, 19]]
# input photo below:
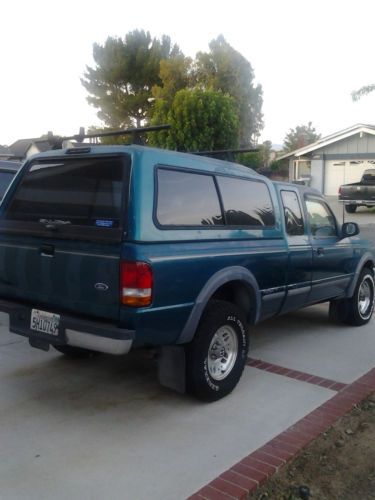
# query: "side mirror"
[[349, 229]]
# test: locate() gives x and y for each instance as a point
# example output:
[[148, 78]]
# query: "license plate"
[[45, 322]]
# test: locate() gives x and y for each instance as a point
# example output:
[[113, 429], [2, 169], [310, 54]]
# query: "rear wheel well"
[[240, 294]]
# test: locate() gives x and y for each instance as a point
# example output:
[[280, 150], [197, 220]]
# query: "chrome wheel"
[[222, 353], [366, 297]]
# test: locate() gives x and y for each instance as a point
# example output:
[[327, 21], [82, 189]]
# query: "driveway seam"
[[259, 465], [296, 374]]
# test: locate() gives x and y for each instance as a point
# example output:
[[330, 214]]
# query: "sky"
[[307, 55]]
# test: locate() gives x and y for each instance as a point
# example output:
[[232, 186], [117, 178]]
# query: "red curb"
[[231, 489], [267, 459], [260, 466], [295, 374], [253, 470], [243, 481], [209, 493]]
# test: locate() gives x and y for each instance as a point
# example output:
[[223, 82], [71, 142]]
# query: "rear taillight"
[[135, 284], [340, 190]]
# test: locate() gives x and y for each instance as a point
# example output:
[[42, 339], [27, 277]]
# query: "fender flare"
[[234, 273], [366, 257]]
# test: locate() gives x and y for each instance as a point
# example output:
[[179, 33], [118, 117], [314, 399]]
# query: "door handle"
[[320, 251], [47, 250]]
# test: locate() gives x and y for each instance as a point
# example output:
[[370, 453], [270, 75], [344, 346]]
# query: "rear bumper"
[[357, 202], [93, 335]]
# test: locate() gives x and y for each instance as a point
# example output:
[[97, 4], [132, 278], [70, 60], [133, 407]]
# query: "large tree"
[[199, 119], [125, 71], [300, 137], [225, 69]]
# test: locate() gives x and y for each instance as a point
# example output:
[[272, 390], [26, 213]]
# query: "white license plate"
[[45, 322]]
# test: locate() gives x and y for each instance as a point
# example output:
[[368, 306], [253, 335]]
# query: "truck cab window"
[[321, 220], [292, 213]]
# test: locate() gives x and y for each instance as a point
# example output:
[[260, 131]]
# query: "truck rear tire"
[[350, 209], [216, 357]]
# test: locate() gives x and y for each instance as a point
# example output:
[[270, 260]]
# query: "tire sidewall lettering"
[[212, 386], [231, 319]]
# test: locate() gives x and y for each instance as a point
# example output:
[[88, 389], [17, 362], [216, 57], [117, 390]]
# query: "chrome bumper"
[[95, 335], [95, 343]]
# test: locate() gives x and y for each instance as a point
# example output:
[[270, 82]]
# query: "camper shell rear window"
[[61, 194]]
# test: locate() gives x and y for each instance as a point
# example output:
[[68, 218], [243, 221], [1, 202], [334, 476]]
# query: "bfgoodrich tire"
[[216, 357], [357, 310]]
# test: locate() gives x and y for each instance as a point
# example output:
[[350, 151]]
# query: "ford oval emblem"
[[102, 287]]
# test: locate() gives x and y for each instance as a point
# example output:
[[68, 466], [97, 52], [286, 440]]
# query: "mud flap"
[[39, 344], [171, 368]]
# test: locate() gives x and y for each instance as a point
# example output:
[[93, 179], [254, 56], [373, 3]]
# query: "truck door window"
[[321, 220], [292, 213]]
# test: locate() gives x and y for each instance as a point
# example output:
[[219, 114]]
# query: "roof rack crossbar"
[[135, 132], [228, 153]]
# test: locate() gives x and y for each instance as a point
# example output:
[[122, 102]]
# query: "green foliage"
[[225, 69], [200, 120], [257, 159], [252, 160], [125, 71], [139, 79], [300, 137], [366, 89], [277, 165], [174, 75]]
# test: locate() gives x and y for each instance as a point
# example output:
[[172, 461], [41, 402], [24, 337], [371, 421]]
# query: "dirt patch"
[[339, 465]]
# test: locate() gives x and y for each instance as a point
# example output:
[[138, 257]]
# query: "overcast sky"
[[308, 56]]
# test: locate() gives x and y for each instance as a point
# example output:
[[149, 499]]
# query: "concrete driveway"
[[103, 428]]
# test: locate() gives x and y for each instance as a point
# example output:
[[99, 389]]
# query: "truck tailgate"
[[60, 275], [61, 233]]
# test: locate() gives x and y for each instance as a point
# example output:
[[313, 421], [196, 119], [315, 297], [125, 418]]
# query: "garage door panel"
[[334, 177]]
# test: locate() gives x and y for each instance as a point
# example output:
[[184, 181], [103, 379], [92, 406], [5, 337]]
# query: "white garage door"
[[344, 172]]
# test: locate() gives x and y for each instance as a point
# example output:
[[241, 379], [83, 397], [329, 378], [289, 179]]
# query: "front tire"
[[356, 310], [350, 209], [216, 357]]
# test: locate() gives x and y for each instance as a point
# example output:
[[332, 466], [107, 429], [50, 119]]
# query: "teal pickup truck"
[[112, 248]]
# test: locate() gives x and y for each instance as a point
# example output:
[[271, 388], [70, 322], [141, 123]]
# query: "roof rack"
[[134, 132], [227, 154]]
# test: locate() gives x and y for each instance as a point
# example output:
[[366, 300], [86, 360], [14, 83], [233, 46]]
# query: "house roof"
[[43, 145], [4, 150], [20, 147], [329, 139]]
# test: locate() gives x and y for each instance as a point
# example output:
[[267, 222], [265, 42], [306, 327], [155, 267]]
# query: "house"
[[5, 151], [23, 148], [336, 159]]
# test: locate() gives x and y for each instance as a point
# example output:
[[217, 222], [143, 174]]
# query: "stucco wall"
[[317, 174]]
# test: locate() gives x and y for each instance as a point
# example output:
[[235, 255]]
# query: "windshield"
[[84, 191]]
